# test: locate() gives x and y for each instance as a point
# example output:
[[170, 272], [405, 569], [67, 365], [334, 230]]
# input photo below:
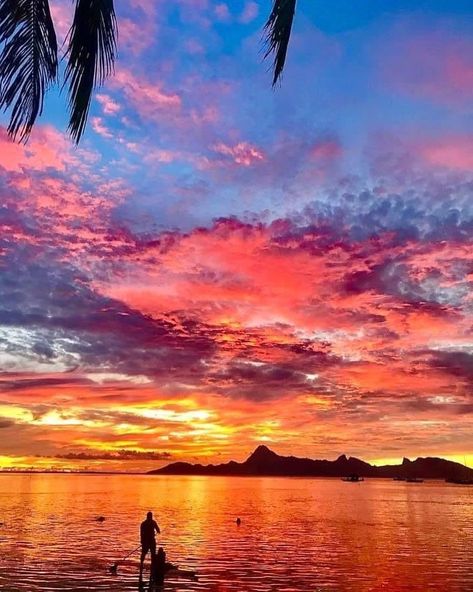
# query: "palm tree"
[[29, 57]]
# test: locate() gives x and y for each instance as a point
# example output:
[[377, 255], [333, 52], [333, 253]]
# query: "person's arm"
[[157, 528]]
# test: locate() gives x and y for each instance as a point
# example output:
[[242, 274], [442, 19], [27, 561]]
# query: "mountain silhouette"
[[262, 454], [265, 462]]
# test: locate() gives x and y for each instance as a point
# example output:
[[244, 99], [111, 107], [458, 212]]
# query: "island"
[[265, 462]]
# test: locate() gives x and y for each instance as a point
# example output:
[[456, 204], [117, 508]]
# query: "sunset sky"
[[220, 264]]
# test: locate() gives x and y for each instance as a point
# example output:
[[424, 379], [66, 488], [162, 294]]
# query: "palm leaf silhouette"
[[278, 31], [91, 56], [28, 61], [28, 58]]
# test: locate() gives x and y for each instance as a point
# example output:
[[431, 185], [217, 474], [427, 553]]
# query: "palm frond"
[[91, 57], [278, 31], [28, 61]]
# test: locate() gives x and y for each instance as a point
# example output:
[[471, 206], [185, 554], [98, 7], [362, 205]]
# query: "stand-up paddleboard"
[[181, 573], [173, 571], [161, 569]]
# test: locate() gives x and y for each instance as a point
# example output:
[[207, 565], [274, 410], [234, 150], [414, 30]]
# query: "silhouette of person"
[[148, 529]]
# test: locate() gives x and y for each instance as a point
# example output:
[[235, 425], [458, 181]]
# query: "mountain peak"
[[261, 453]]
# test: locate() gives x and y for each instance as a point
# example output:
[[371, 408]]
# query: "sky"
[[220, 264]]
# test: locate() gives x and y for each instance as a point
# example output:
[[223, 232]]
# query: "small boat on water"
[[399, 478], [460, 481], [414, 480], [353, 479]]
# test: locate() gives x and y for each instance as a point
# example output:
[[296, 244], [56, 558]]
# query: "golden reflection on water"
[[296, 534]]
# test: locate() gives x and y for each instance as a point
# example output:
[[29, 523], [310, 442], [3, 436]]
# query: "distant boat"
[[399, 478], [414, 480], [460, 481], [353, 479]]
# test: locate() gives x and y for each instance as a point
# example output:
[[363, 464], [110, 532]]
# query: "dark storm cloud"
[[65, 317], [269, 381], [456, 363], [449, 405], [11, 384]]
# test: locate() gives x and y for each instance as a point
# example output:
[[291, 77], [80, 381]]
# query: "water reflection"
[[295, 534]]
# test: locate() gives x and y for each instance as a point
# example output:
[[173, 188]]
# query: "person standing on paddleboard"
[[148, 529]]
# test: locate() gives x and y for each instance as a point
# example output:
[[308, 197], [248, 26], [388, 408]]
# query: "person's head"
[[149, 515]]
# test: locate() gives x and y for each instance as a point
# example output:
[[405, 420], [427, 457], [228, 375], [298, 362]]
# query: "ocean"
[[295, 534]]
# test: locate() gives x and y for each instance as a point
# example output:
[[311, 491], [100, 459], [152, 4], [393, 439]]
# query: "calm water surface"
[[296, 534]]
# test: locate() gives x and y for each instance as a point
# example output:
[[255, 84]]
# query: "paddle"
[[114, 566]]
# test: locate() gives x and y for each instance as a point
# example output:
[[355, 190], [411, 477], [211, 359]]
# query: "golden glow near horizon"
[[141, 437], [201, 427]]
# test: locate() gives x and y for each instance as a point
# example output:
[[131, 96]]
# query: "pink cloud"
[[195, 11], [250, 12], [329, 149], [243, 153], [47, 149], [222, 12], [13, 155], [100, 128], [62, 13], [148, 7], [162, 156], [434, 65], [208, 114], [148, 98], [194, 47], [109, 106], [136, 36], [139, 31], [453, 152]]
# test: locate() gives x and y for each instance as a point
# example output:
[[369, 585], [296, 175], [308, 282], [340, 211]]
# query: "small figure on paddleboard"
[[159, 567], [238, 521]]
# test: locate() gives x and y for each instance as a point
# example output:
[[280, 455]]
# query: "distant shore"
[[65, 472]]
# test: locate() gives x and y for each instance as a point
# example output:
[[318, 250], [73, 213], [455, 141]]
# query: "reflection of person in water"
[[148, 529]]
